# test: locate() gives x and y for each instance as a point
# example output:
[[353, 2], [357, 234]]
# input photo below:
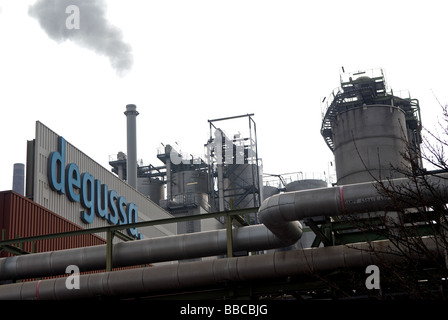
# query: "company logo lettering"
[[94, 196]]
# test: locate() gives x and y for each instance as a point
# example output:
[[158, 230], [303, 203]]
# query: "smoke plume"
[[93, 31]]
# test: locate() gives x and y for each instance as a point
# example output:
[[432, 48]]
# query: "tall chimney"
[[131, 163], [18, 178]]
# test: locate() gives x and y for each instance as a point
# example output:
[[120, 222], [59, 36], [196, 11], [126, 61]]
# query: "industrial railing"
[[232, 217]]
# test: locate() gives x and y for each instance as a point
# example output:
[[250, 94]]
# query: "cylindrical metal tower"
[[188, 182], [369, 143], [152, 188], [131, 115], [373, 133]]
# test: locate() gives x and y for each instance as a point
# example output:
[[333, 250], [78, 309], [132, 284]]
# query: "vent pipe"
[[18, 179], [131, 164]]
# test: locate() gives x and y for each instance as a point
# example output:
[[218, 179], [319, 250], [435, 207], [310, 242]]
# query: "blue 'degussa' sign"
[[95, 197]]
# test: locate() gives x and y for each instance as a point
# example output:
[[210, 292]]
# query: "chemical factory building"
[[360, 125], [69, 183]]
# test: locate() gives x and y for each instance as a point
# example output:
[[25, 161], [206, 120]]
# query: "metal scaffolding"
[[234, 167]]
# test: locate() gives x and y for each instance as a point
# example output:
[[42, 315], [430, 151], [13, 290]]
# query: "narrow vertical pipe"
[[18, 180], [131, 163], [109, 249], [229, 236]]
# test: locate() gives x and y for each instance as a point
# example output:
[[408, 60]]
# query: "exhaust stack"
[[131, 164]]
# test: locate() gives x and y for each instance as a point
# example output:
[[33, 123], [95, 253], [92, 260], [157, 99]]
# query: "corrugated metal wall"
[[21, 217]]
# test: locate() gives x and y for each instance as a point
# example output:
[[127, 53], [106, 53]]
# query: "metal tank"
[[369, 141], [188, 181], [305, 184], [189, 197], [269, 191], [367, 128], [152, 188]]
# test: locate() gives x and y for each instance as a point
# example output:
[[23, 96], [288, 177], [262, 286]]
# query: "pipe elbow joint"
[[270, 214]]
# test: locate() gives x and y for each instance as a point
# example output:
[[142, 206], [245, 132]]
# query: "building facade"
[[66, 181]]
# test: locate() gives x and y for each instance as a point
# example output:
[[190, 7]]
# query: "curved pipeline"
[[166, 278], [184, 246], [279, 213]]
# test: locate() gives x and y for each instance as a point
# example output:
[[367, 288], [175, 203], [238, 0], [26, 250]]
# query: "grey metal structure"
[[18, 180], [119, 165], [152, 188], [269, 191], [229, 178], [186, 189], [234, 167], [150, 179], [369, 128], [131, 120]]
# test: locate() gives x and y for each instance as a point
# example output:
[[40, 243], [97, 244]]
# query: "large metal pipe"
[[279, 213], [169, 278], [185, 246], [131, 119]]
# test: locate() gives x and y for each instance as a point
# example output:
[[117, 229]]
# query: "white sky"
[[200, 60]]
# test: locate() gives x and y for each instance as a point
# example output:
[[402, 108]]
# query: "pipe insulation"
[[190, 275], [279, 214], [178, 247]]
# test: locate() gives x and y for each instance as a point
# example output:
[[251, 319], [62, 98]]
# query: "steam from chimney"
[[93, 32]]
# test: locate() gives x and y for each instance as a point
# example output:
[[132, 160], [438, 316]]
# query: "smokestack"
[[18, 179], [131, 164]]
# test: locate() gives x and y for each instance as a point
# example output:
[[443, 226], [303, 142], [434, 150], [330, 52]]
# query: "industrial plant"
[[216, 226]]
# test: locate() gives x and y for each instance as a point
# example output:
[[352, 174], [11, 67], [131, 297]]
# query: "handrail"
[[112, 231], [142, 224]]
